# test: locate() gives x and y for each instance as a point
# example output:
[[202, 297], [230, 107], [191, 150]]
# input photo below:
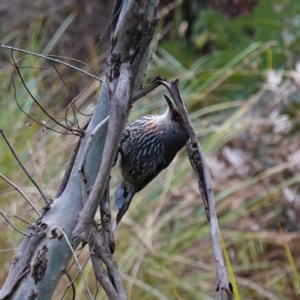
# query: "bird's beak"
[[169, 103]]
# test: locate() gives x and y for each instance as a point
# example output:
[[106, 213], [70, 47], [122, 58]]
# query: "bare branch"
[[111, 280], [23, 168], [21, 192], [31, 118], [12, 225], [78, 274], [7, 250], [105, 214], [77, 261], [69, 169], [74, 131], [126, 57], [144, 91], [173, 89], [17, 217], [101, 276], [201, 170], [76, 124], [51, 59], [127, 60], [70, 284], [102, 246], [73, 101]]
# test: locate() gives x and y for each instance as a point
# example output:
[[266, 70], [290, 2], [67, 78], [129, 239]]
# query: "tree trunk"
[[43, 257]]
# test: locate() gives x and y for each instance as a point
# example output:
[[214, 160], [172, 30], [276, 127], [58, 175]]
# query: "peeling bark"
[[40, 263]]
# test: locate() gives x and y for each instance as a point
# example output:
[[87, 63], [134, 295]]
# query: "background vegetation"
[[239, 71]]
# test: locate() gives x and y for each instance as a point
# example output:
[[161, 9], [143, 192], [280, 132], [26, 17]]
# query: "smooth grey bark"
[[37, 274]]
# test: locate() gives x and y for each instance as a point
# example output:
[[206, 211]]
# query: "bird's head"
[[174, 112], [171, 122]]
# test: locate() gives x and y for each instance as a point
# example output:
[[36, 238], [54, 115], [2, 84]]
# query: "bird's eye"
[[175, 117]]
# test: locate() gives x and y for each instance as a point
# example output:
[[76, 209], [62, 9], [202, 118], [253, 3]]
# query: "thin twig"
[[73, 101], [21, 219], [144, 91], [201, 170], [124, 74], [21, 192], [4, 192], [7, 250], [101, 276], [12, 225], [70, 284], [23, 168], [51, 59], [108, 277], [68, 171], [73, 262], [31, 118], [75, 131], [85, 263], [76, 125], [77, 261]]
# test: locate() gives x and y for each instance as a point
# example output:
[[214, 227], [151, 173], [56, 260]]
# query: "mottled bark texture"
[[43, 257]]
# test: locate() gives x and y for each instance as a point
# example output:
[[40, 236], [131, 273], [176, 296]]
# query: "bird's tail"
[[122, 201]]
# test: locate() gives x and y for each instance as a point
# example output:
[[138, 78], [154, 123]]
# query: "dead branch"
[[23, 168], [51, 59], [70, 166], [12, 225], [124, 62], [202, 173], [73, 131], [102, 247], [144, 91], [110, 280], [127, 58], [21, 193], [68, 171], [70, 284], [77, 261]]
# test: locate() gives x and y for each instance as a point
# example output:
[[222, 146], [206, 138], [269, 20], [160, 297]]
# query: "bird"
[[148, 146]]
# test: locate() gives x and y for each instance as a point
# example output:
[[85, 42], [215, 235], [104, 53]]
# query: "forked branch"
[[202, 173], [51, 59]]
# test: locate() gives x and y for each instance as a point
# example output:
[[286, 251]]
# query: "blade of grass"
[[236, 293], [62, 28], [296, 278]]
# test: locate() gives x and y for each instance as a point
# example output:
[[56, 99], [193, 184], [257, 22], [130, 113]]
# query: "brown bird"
[[147, 147]]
